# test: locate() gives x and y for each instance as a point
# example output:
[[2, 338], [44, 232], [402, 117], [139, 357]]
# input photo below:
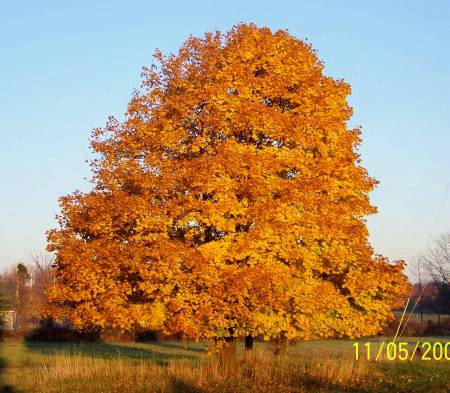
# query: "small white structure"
[[9, 319]]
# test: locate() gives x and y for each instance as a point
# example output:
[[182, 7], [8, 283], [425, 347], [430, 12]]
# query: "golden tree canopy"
[[230, 201]]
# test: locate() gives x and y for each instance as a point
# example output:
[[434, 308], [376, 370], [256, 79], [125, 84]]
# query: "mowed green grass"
[[22, 362]]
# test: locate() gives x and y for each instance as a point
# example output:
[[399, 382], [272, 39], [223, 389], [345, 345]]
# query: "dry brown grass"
[[263, 372]]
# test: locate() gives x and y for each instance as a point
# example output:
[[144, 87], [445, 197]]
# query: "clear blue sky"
[[66, 65]]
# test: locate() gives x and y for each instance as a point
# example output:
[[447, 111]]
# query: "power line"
[[433, 228], [438, 215]]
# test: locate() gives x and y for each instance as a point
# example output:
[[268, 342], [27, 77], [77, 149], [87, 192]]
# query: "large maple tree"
[[231, 201]]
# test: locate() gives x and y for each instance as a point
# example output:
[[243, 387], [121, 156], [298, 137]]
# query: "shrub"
[[61, 334]]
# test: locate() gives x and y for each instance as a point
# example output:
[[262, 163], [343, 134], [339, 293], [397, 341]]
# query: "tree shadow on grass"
[[179, 386], [178, 346], [107, 351], [4, 387]]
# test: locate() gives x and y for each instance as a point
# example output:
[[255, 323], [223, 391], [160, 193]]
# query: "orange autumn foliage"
[[230, 201]]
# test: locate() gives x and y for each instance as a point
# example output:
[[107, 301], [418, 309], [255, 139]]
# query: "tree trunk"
[[281, 346], [248, 352], [227, 354], [248, 343]]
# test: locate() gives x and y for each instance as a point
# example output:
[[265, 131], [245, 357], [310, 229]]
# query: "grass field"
[[311, 366], [418, 317]]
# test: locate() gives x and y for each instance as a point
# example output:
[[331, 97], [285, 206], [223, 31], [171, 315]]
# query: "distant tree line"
[[431, 292], [23, 290]]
